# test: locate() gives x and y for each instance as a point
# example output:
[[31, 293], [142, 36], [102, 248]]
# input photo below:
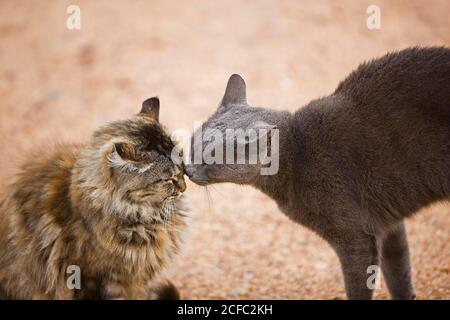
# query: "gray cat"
[[354, 164]]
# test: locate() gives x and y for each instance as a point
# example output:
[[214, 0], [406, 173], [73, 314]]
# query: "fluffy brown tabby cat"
[[111, 207]]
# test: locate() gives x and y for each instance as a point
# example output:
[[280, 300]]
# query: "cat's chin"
[[199, 182]]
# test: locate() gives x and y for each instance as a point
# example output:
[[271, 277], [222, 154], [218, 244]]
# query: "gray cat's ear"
[[150, 107], [257, 131], [263, 128], [262, 125], [236, 91]]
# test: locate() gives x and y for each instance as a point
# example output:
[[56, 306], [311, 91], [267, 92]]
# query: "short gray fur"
[[354, 164]]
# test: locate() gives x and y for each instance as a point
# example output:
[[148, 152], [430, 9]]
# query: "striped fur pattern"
[[112, 207]]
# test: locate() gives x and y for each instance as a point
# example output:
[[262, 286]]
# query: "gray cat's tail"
[[164, 290]]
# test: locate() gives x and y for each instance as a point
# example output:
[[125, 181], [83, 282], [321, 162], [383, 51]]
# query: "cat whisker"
[[208, 196], [217, 190]]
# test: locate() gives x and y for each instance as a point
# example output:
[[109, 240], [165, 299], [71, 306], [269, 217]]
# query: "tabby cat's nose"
[[181, 184]]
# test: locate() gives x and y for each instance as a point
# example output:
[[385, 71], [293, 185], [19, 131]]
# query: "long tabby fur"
[[111, 207]]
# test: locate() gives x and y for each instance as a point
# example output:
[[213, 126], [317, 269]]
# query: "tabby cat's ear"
[[120, 155], [150, 107], [236, 92], [124, 150]]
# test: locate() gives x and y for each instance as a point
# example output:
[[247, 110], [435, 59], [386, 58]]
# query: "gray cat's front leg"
[[357, 253], [396, 265]]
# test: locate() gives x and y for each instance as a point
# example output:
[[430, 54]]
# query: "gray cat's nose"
[[189, 170]]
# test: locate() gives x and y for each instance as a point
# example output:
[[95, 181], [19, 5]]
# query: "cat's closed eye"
[[168, 180]]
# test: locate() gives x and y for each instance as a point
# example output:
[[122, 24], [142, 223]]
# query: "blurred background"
[[59, 85]]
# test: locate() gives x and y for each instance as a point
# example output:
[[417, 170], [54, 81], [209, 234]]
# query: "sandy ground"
[[59, 85]]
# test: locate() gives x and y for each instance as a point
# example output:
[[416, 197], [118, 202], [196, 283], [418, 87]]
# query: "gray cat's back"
[[354, 164], [384, 135], [419, 77]]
